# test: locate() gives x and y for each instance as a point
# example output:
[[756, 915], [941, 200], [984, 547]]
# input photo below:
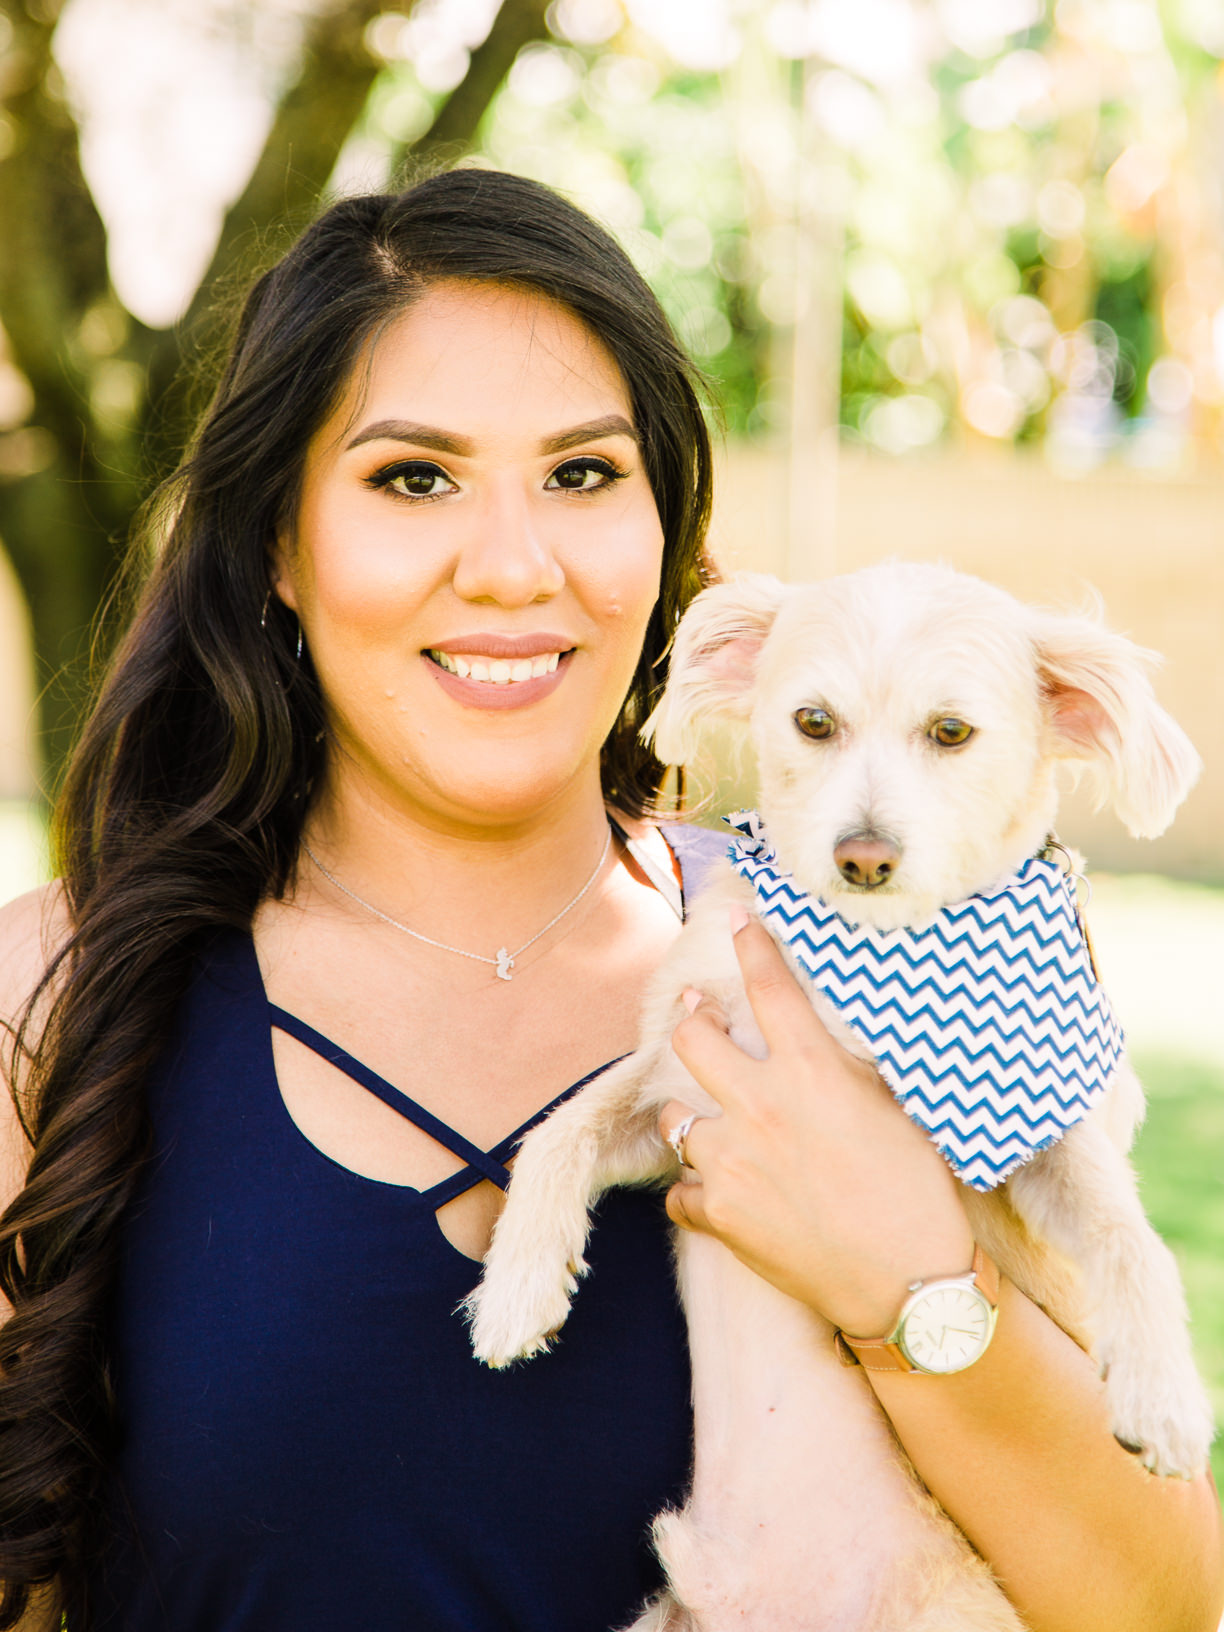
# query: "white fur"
[[804, 1515]]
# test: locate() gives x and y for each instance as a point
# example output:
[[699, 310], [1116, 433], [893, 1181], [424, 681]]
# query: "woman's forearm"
[[817, 1180], [1019, 1451]]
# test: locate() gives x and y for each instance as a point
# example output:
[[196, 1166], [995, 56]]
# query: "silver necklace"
[[504, 961]]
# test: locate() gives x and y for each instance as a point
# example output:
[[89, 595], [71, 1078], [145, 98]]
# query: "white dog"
[[909, 723]]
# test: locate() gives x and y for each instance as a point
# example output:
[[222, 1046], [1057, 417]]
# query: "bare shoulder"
[[32, 929]]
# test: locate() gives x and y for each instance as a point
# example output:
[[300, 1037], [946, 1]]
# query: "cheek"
[[361, 584], [621, 580], [358, 566]]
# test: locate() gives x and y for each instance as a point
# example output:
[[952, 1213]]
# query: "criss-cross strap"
[[481, 1164], [694, 848], [485, 1163], [457, 1183]]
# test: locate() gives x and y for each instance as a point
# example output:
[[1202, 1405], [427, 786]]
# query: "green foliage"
[[1044, 165], [1180, 1160], [1124, 300], [652, 149]]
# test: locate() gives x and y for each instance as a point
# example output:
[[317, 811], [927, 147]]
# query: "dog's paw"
[[512, 1321], [1163, 1416]]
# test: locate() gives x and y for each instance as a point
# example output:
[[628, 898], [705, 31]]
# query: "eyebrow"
[[429, 436]]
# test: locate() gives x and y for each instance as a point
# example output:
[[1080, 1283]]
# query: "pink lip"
[[509, 646], [484, 693]]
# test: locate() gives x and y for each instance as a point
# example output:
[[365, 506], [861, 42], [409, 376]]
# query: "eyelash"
[[604, 467], [381, 480]]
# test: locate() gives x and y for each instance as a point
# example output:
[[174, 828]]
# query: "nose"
[[866, 859], [506, 557]]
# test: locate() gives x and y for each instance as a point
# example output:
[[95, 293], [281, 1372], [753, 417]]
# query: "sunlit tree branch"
[[517, 24]]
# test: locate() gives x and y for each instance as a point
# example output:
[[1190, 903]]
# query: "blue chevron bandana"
[[988, 1025]]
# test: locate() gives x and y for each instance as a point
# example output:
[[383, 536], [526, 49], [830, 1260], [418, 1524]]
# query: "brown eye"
[[815, 722], [950, 733]]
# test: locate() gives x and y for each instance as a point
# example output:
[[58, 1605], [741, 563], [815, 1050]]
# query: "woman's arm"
[[1019, 1451], [31, 927], [817, 1179]]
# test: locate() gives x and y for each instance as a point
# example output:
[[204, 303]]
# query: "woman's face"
[[474, 558]]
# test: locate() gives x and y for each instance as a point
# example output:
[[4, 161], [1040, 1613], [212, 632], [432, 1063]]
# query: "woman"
[[338, 832]]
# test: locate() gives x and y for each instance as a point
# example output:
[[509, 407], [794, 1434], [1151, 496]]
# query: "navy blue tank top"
[[308, 1443]]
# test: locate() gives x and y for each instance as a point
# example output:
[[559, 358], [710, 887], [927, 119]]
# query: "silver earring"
[[298, 654], [263, 616]]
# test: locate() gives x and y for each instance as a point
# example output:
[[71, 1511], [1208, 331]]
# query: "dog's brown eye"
[[950, 733], [815, 722]]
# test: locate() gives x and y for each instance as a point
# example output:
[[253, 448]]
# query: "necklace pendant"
[[505, 963]]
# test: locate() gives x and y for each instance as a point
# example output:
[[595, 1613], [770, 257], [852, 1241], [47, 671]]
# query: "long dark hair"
[[184, 801]]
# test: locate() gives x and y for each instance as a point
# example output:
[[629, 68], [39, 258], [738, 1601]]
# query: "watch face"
[[946, 1328]]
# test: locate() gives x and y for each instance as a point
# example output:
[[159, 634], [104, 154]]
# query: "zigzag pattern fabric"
[[989, 1024]]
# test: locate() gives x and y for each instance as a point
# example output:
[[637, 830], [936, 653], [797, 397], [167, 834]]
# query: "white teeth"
[[497, 671]]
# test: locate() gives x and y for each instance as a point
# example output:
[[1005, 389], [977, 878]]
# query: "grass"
[[1180, 1159], [1160, 947]]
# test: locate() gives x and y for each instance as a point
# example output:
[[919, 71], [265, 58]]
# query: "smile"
[[497, 671]]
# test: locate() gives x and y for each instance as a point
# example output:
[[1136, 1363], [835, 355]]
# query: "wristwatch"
[[944, 1325]]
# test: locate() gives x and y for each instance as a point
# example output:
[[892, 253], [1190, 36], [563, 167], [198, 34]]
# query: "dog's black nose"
[[866, 861]]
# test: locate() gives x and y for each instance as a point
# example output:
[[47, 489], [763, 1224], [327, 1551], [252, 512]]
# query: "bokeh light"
[[1016, 198]]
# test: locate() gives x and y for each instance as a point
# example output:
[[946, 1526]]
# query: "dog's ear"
[[1101, 711], [713, 661]]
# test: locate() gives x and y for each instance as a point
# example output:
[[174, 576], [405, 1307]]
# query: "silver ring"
[[679, 1134]]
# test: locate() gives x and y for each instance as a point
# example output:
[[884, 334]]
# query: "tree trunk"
[[72, 476], [66, 484]]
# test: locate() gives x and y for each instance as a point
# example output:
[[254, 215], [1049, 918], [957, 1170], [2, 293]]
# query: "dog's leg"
[[805, 1515], [606, 1135], [1081, 1195]]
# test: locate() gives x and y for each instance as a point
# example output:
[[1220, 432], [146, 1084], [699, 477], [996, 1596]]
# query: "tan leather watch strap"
[[985, 1276], [884, 1353], [875, 1354]]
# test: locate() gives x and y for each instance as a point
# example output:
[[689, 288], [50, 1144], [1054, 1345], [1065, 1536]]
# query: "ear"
[[1101, 711], [713, 662], [282, 582]]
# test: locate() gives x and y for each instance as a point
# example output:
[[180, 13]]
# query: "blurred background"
[[954, 269]]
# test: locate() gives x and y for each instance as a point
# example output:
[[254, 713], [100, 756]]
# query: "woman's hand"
[[813, 1175], [817, 1179]]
